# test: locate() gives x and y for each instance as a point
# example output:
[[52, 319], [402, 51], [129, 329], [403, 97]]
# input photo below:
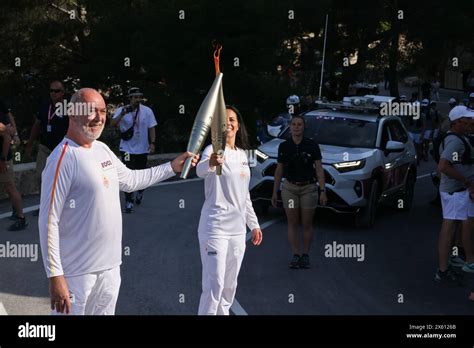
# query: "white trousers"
[[94, 293], [221, 259]]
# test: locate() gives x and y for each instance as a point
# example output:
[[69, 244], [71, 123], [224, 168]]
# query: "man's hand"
[[257, 236], [3, 167], [59, 294], [151, 148], [323, 198], [178, 163], [216, 160]]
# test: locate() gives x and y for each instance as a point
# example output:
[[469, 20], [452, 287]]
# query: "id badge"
[[48, 128]]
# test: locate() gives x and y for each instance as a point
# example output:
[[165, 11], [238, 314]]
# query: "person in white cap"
[[80, 222], [224, 216], [137, 129], [293, 105], [457, 180], [452, 102]]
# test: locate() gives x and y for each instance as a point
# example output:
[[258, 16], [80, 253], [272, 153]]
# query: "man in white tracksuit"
[[80, 222], [226, 211]]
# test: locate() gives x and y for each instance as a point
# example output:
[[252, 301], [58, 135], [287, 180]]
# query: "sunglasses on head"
[[55, 90]]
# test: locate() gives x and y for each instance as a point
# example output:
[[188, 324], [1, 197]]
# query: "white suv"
[[367, 159]]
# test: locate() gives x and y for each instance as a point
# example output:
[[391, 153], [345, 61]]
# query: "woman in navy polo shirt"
[[299, 163]]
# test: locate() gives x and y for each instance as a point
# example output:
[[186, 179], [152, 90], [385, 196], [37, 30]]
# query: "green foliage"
[[171, 58]]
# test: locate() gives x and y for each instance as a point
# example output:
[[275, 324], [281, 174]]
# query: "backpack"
[[439, 140]]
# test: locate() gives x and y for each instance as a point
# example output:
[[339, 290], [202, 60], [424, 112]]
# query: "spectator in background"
[[7, 177], [435, 86], [426, 90], [50, 127], [456, 183], [414, 97], [7, 111], [415, 130], [470, 103], [139, 120]]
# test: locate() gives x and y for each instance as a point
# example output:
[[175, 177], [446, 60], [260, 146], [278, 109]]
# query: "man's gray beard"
[[90, 135]]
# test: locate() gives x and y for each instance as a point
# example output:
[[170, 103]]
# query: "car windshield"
[[339, 131]]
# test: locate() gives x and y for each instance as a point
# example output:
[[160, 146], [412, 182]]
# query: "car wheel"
[[366, 216], [408, 192]]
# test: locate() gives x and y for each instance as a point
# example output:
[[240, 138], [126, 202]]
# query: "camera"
[[127, 109]]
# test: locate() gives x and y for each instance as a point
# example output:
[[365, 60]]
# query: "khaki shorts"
[[9, 175], [43, 154], [294, 196]]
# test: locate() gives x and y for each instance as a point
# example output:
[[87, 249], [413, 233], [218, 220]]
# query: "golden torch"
[[219, 120], [211, 114]]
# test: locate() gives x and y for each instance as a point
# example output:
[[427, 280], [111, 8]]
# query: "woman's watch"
[[322, 190]]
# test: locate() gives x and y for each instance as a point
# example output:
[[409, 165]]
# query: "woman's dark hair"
[[242, 137]]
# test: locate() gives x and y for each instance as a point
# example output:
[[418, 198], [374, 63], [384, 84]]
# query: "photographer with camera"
[[136, 123]]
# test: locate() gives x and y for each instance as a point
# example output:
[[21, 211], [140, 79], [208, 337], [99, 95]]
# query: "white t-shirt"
[[80, 222], [138, 144], [227, 208]]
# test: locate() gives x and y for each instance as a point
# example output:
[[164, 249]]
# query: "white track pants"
[[94, 293], [221, 259]]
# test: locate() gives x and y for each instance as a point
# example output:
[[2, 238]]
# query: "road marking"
[[236, 308], [25, 210], [3, 311], [423, 176], [262, 227]]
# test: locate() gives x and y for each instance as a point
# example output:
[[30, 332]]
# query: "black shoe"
[[36, 212], [304, 261], [13, 217], [448, 277], [295, 262], [138, 198], [20, 224], [128, 207]]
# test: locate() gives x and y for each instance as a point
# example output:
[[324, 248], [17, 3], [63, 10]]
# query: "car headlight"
[[261, 156], [343, 167]]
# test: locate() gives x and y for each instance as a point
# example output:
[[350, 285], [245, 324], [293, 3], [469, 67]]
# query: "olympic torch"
[[219, 128], [203, 122]]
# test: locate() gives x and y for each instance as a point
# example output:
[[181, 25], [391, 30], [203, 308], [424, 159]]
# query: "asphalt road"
[[161, 271]]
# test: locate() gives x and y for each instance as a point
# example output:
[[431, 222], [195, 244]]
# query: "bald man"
[[80, 222]]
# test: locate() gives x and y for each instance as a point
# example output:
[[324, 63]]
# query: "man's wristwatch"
[[322, 190]]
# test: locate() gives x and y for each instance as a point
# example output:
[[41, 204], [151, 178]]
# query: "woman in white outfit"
[[225, 214]]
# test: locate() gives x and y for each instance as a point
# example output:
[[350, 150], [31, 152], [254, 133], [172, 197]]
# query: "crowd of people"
[[66, 162]]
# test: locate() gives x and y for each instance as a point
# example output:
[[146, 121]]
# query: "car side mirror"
[[394, 146]]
